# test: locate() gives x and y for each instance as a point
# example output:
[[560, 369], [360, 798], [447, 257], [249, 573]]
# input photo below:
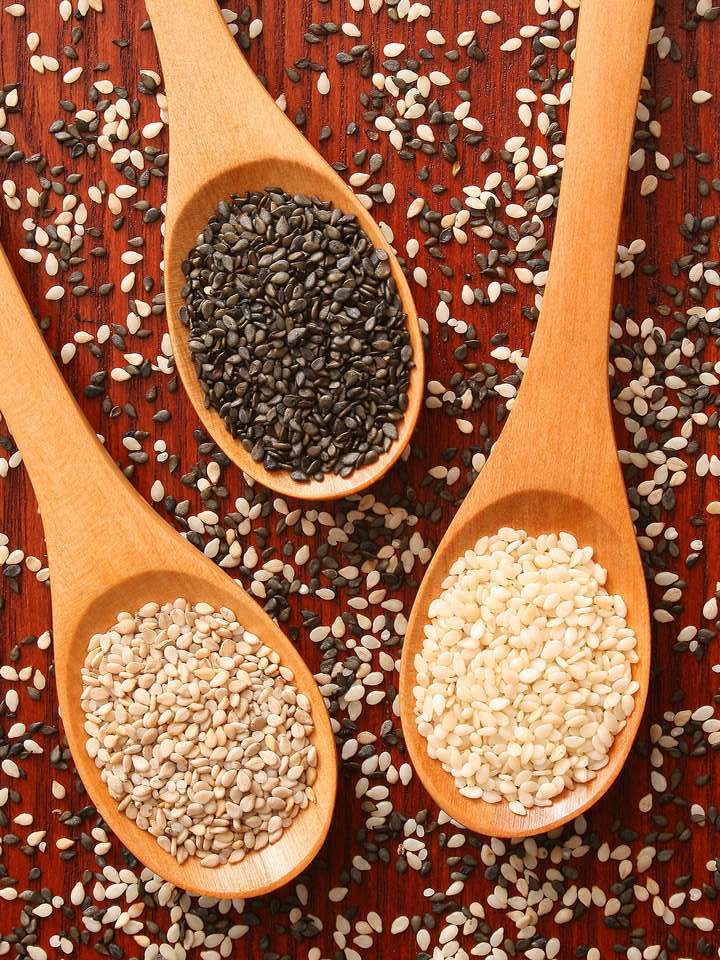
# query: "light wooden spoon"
[[228, 136], [109, 551], [555, 466]]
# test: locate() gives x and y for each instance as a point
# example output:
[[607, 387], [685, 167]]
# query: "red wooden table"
[[368, 872]]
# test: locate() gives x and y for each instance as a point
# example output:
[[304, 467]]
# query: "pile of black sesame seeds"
[[297, 333], [640, 877]]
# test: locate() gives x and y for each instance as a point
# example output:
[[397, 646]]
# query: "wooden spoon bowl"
[[229, 137], [260, 871], [109, 551], [536, 511], [555, 466]]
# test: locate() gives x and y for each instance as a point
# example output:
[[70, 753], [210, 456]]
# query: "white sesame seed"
[[701, 96]]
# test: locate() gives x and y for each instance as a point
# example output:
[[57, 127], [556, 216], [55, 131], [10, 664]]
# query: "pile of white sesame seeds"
[[198, 730], [525, 674]]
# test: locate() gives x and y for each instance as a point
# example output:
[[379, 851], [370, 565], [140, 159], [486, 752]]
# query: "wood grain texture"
[[655, 219]]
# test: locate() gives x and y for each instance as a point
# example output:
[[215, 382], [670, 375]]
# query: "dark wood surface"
[[681, 680]]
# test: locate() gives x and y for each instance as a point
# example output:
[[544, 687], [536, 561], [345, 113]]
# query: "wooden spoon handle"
[[76, 483], [220, 113], [571, 342]]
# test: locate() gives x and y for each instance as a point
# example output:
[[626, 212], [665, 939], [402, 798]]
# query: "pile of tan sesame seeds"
[[198, 730], [463, 172]]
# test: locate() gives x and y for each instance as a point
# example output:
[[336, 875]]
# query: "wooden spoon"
[[228, 136], [555, 466], [109, 551]]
